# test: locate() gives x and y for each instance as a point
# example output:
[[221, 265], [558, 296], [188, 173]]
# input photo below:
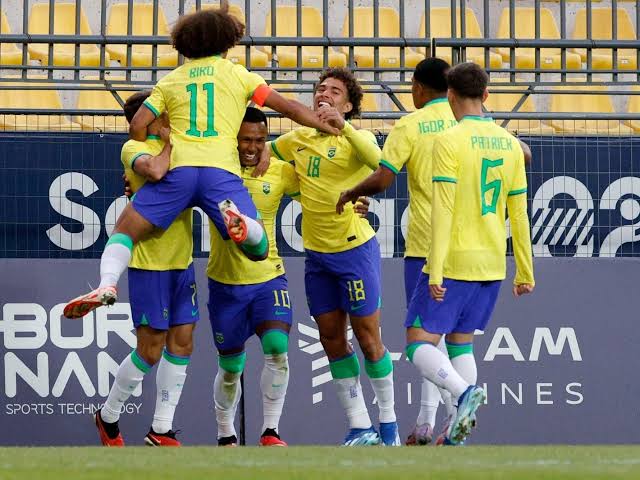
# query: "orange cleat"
[[236, 226], [80, 306], [270, 438], [108, 439], [168, 439]]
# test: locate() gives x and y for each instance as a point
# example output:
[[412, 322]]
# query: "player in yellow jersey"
[[478, 175], [162, 293], [205, 100], [410, 143], [342, 269]]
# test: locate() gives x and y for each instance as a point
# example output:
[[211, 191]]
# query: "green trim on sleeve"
[[151, 107], [386, 164], [445, 179], [133, 160], [274, 149], [294, 194], [517, 192]]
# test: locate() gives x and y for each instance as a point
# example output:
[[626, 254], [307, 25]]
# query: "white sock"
[[380, 373], [114, 261], [226, 395], [170, 377], [465, 365], [350, 396], [436, 366], [273, 382], [255, 231], [429, 400], [129, 375], [448, 404]]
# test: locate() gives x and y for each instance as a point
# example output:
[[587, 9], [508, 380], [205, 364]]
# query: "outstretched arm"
[[297, 112], [375, 183]]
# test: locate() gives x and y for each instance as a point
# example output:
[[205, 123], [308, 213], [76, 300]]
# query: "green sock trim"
[[257, 250], [175, 359], [410, 349], [380, 368], [456, 349], [122, 239], [137, 360], [346, 367], [232, 363], [275, 342]]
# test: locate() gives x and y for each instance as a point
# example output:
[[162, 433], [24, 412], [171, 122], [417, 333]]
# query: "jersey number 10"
[[192, 89]]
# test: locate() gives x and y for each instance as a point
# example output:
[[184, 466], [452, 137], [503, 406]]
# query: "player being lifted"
[[410, 143], [342, 269], [162, 293], [205, 100], [478, 174], [247, 298]]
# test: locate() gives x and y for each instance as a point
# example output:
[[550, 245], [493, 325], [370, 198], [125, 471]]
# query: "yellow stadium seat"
[[406, 99], [237, 54], [525, 29], [634, 107], [64, 24], [142, 24], [586, 103], [440, 22], [30, 100], [601, 21], [389, 27], [505, 102], [371, 103], [286, 26], [102, 100], [10, 54]]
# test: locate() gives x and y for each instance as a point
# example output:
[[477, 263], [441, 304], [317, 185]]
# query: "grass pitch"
[[310, 463]]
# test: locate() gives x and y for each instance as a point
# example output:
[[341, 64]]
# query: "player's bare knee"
[[335, 346], [150, 353], [180, 340]]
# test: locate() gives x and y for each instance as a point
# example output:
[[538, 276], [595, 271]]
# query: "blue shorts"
[[348, 281], [163, 300], [235, 311], [412, 269], [467, 306], [183, 187]]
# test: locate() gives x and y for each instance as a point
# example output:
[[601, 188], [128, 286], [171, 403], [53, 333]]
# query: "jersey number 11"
[[192, 89]]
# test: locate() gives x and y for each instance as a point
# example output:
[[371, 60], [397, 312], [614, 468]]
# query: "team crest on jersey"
[[266, 188], [332, 152], [219, 337]]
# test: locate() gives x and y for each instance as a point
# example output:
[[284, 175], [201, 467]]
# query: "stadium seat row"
[[313, 56], [21, 98]]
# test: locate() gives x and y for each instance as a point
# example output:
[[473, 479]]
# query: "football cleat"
[[167, 439], [420, 435], [389, 434], [80, 306], [270, 438], [465, 418], [231, 441], [110, 435], [444, 431], [233, 219], [361, 437]]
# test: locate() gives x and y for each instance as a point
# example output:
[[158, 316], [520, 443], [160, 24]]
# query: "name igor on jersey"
[[326, 165], [478, 172], [172, 248], [410, 143], [227, 264], [206, 99]]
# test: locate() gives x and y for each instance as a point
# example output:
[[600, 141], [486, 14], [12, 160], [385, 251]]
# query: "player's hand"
[[522, 289], [331, 116], [236, 227], [165, 135], [345, 197], [263, 164], [362, 207], [127, 186], [437, 292]]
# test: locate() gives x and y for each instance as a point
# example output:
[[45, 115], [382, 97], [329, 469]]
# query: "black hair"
[[255, 115], [432, 73], [134, 102], [468, 80]]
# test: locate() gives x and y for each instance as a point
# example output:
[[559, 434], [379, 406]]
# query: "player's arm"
[[291, 185], [444, 195], [297, 112], [521, 234], [155, 105], [527, 152], [153, 168]]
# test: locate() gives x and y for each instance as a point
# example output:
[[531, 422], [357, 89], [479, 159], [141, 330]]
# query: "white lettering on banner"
[[288, 226], [512, 349], [21, 318], [629, 210], [90, 221], [546, 393], [570, 389], [14, 368], [565, 335], [71, 343], [113, 212], [65, 408]]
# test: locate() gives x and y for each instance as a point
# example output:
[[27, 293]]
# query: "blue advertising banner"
[[60, 195]]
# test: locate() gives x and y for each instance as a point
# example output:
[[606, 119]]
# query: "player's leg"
[[323, 297], [155, 205], [172, 369], [228, 315], [226, 201], [272, 317]]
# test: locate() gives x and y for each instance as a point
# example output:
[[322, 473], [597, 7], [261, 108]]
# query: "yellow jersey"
[[410, 143], [206, 99], [478, 173], [169, 249], [227, 264], [326, 165]]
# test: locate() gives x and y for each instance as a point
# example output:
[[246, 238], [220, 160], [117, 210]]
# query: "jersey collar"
[[434, 101], [477, 118], [153, 137]]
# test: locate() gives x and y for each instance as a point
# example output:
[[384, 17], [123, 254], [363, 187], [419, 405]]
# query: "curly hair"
[[134, 102], [206, 33], [354, 90]]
